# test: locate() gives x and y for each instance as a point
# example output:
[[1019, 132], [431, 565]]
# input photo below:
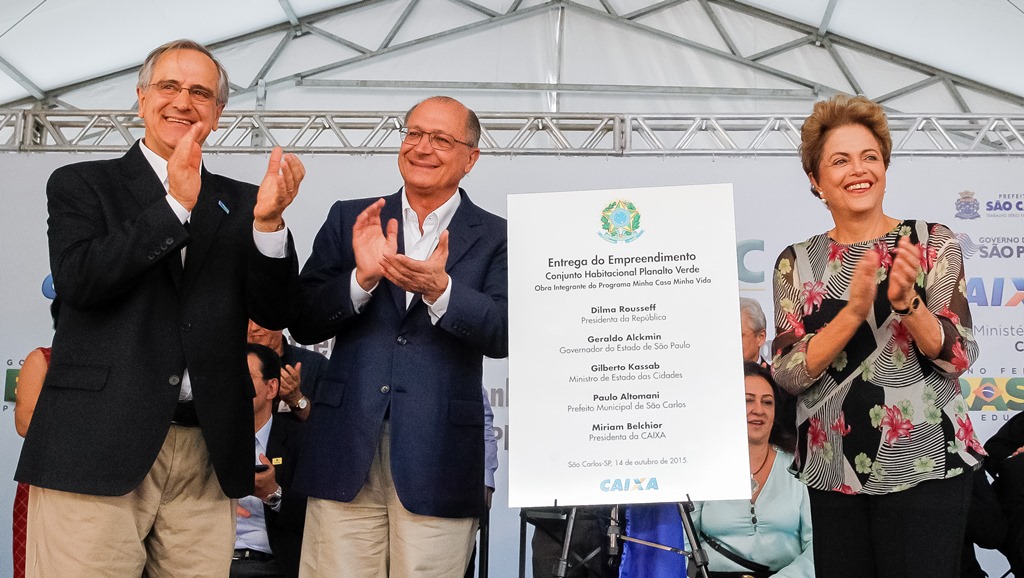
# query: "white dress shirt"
[[273, 245], [418, 245]]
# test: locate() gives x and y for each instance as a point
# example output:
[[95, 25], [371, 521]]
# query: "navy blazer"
[[390, 358], [132, 319]]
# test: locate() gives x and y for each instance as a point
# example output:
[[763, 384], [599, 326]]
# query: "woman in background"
[[770, 534], [30, 383], [872, 330]]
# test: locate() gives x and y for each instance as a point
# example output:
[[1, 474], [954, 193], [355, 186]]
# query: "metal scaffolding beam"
[[636, 22], [514, 133]]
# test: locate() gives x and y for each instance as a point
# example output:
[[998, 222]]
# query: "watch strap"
[[914, 304], [274, 498]]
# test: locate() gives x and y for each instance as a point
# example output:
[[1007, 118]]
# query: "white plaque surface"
[[625, 348]]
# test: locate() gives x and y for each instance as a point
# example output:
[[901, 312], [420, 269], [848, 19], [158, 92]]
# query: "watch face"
[[274, 499], [303, 403]]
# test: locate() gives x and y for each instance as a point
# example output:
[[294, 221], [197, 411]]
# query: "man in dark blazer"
[[302, 371], [414, 289], [269, 532], [143, 430]]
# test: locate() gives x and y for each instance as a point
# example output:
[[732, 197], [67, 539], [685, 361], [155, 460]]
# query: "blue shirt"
[[251, 532]]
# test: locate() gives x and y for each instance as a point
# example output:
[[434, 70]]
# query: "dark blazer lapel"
[[463, 231], [278, 440], [393, 210], [147, 189], [140, 177], [203, 225]]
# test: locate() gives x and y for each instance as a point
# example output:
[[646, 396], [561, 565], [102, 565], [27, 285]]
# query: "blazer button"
[[174, 380], [385, 388], [402, 340], [169, 241], [186, 326]]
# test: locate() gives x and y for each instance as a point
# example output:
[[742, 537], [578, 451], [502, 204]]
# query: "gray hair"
[[146, 72], [472, 122], [753, 310]]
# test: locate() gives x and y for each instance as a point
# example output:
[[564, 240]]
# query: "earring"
[[817, 193]]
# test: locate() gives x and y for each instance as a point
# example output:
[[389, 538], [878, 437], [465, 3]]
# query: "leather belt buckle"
[[249, 554]]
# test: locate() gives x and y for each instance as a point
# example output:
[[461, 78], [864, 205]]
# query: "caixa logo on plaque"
[[620, 222], [629, 484]]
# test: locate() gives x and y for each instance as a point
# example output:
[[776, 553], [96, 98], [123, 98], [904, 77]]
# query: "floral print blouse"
[[882, 417]]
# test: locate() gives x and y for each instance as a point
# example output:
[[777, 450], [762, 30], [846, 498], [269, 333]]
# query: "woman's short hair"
[[841, 110]]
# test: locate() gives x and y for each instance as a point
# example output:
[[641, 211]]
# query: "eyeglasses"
[[171, 89], [439, 140]]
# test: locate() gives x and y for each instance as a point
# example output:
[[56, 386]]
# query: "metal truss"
[[369, 133], [293, 29]]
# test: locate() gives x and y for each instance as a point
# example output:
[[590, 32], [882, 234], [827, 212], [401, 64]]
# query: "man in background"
[[301, 371], [754, 330], [268, 538]]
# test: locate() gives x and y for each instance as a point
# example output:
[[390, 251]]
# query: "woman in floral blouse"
[[872, 331]]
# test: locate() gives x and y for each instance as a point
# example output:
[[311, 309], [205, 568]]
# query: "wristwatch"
[[914, 304], [303, 403], [274, 500]]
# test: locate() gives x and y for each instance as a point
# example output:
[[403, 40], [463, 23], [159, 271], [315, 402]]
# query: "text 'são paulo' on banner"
[[625, 357]]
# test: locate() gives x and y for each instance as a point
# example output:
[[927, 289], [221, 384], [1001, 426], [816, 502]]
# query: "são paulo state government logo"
[[620, 222], [967, 206]]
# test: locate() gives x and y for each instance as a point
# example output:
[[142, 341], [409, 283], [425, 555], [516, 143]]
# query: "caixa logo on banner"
[[629, 484], [996, 292]]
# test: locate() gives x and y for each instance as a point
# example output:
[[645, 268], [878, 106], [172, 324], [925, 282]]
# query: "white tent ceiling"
[[643, 55]]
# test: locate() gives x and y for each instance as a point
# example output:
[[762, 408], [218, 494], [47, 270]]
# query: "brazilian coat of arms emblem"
[[620, 222]]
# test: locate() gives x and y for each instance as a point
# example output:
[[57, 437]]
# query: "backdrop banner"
[[981, 199]]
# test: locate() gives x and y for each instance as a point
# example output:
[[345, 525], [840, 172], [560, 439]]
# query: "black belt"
[[247, 554], [185, 414]]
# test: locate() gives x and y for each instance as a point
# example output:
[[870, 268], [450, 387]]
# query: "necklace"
[[754, 486]]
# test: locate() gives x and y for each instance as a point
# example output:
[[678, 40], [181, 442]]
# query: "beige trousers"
[[375, 536], [178, 522]]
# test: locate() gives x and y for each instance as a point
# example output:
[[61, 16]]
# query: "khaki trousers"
[[375, 536], [178, 522]]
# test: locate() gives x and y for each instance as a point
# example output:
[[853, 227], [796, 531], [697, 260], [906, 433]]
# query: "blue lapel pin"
[[225, 207]]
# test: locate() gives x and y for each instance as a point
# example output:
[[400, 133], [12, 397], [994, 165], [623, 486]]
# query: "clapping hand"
[[903, 274], [278, 189]]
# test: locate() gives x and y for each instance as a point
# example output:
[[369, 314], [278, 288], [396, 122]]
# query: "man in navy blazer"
[[143, 429], [414, 289]]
